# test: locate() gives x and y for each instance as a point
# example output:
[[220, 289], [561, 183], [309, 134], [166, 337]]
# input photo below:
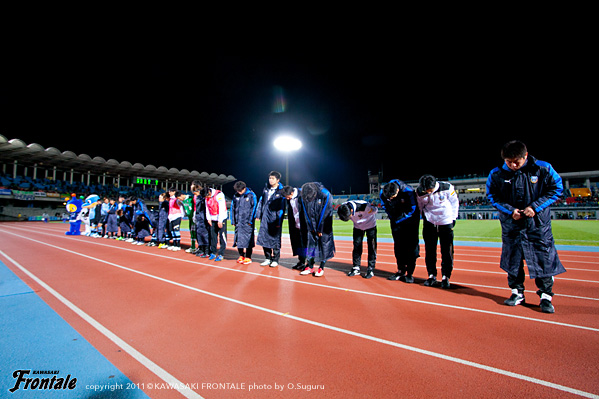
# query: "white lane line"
[[150, 365], [167, 376], [215, 266]]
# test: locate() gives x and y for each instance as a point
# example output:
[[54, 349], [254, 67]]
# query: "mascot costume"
[[88, 213], [74, 209]]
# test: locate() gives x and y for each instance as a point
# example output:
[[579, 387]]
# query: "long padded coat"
[[297, 237], [319, 219], [270, 212], [537, 185], [199, 219], [243, 216]]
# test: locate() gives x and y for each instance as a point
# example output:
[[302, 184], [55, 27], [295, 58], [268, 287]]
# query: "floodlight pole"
[[287, 168]]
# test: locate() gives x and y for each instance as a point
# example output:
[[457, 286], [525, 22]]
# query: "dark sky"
[[446, 114]]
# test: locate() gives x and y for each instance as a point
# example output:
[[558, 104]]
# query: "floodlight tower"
[[287, 144]]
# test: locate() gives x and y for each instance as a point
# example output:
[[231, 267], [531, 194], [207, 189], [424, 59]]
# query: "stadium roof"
[[31, 154]]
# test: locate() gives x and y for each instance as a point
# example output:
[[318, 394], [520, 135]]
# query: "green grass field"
[[566, 232]]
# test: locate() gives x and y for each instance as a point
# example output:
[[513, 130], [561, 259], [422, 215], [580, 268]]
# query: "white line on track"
[[169, 378], [150, 365], [215, 266]]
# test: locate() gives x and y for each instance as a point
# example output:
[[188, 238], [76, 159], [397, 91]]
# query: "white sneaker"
[[274, 264], [265, 263]]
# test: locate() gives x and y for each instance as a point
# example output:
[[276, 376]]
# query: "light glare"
[[287, 143]]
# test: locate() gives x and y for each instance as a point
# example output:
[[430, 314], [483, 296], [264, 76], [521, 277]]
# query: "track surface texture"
[[177, 325]]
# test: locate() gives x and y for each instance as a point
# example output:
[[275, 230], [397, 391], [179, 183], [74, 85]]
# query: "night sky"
[[445, 114]]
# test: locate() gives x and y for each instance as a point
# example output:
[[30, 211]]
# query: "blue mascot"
[[74, 209]]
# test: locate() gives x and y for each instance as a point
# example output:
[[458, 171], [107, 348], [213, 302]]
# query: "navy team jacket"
[[537, 185]]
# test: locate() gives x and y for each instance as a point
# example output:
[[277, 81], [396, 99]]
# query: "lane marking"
[[214, 266], [169, 378], [150, 365]]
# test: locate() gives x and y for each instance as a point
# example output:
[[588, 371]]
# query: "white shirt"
[[441, 206], [363, 220]]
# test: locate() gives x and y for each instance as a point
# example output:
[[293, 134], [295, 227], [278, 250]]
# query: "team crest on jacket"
[[534, 179]]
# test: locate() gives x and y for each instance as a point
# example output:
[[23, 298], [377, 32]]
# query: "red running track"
[[228, 330]]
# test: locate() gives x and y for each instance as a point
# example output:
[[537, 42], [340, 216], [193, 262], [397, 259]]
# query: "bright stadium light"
[[287, 144]]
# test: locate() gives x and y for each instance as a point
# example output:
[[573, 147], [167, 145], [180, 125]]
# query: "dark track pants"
[[444, 235], [358, 236]]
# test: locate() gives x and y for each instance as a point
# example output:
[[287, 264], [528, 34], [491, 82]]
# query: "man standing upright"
[[270, 212], [522, 190]]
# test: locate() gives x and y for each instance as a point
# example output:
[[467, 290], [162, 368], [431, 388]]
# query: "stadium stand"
[[44, 176]]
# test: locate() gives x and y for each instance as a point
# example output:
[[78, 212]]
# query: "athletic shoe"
[[240, 259], [274, 264], [546, 306], [445, 283], [368, 274], [298, 266], [517, 298], [319, 273], [265, 263], [353, 272], [431, 281], [407, 279], [218, 258], [306, 271], [212, 257], [246, 261], [397, 276]]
